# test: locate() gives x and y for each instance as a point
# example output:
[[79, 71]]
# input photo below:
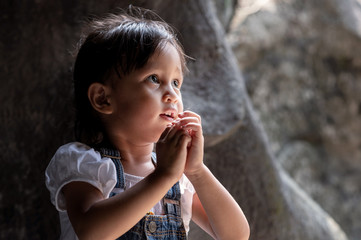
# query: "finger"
[[190, 123], [183, 121], [183, 138], [188, 119], [170, 134], [173, 131], [189, 114], [193, 129], [192, 126], [185, 141], [178, 135]]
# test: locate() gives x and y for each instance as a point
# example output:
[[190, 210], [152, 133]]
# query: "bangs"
[[136, 43]]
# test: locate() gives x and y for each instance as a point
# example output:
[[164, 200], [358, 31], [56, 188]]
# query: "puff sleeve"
[[78, 162], [187, 191]]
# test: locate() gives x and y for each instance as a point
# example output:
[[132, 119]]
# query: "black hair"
[[122, 43]]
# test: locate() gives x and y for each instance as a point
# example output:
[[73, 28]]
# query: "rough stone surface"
[[225, 11], [302, 70], [36, 115]]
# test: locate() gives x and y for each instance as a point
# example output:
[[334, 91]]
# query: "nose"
[[170, 95]]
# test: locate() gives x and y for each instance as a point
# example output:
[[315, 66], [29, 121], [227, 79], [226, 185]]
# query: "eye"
[[176, 83], [153, 78]]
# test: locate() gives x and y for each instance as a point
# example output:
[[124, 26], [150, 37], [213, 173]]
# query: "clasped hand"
[[180, 147]]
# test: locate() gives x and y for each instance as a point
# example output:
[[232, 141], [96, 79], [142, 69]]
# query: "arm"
[[214, 209], [94, 217]]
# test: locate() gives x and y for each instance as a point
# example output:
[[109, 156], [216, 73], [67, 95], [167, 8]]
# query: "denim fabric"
[[153, 227]]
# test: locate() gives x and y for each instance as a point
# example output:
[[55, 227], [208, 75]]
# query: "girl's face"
[[148, 99]]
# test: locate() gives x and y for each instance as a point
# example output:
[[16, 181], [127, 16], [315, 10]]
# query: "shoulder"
[[74, 153], [73, 147], [76, 161], [77, 157]]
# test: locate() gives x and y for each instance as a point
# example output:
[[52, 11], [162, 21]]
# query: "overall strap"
[[172, 200], [114, 155]]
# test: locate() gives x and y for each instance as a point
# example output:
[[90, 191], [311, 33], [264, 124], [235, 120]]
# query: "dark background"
[[284, 51]]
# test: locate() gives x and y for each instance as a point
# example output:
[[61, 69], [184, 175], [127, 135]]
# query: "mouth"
[[169, 115]]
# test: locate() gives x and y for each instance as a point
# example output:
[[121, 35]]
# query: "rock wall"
[[36, 41], [302, 69]]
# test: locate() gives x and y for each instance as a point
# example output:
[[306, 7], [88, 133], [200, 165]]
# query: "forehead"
[[166, 55], [166, 59]]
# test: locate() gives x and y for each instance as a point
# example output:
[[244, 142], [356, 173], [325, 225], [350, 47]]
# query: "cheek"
[[180, 105]]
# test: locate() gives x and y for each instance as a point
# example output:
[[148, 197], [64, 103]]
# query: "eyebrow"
[[153, 64]]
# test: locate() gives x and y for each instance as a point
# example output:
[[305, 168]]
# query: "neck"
[[135, 152], [137, 160], [131, 152], [132, 148]]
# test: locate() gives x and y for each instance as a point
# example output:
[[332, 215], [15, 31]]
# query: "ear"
[[100, 98]]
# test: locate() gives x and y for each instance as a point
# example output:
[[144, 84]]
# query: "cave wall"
[[37, 41]]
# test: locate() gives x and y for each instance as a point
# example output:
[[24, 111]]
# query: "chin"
[[160, 132], [158, 136]]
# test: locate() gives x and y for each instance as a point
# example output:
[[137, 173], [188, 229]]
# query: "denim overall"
[[154, 227]]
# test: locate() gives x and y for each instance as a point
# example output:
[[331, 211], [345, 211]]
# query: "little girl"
[[110, 184]]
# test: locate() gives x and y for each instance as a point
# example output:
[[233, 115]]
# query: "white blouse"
[[78, 162]]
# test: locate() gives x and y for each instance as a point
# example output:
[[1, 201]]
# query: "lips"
[[169, 115]]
